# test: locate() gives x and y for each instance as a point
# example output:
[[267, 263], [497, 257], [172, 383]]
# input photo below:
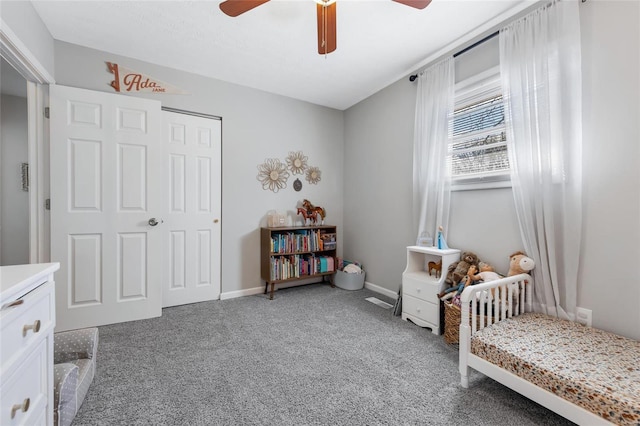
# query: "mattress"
[[591, 368]]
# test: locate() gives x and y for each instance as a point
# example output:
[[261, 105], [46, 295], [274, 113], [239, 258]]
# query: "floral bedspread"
[[593, 369]]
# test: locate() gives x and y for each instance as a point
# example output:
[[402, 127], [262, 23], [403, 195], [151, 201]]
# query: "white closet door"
[[192, 183], [106, 156]]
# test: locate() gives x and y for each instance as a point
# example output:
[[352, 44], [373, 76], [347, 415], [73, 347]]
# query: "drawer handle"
[[22, 407], [35, 327], [15, 303]]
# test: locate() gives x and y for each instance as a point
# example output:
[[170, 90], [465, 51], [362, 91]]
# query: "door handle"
[[153, 221]]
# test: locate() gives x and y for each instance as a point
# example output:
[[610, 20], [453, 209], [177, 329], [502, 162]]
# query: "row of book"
[[298, 266], [298, 241]]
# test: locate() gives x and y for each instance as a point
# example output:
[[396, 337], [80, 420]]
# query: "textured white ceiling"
[[274, 46]]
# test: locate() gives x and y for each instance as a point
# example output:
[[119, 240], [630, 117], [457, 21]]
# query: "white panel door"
[[106, 153], [192, 182]]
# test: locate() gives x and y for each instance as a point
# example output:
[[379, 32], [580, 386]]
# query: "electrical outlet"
[[583, 316]]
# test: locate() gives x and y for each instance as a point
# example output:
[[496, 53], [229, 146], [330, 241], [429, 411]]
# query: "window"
[[478, 151]]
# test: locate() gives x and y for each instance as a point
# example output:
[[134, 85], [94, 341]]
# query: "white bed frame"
[[512, 296]]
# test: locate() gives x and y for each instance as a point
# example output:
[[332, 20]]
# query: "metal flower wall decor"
[[273, 174], [297, 162], [313, 175]]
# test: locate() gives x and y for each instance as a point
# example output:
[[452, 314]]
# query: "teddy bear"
[[520, 263], [457, 270]]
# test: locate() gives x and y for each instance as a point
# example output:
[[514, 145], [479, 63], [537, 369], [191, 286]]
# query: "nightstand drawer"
[[23, 394], [29, 320], [420, 289], [421, 309]]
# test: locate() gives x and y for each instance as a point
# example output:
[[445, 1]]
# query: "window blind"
[[479, 143]]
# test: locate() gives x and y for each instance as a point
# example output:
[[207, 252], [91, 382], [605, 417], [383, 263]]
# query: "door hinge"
[[46, 112], [47, 204]]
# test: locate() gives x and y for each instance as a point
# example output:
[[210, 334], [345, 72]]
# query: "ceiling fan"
[[326, 10]]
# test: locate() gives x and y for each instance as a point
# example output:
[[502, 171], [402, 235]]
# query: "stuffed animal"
[[457, 270], [465, 281], [520, 263]]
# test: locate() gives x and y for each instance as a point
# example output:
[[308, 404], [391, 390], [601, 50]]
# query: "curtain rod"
[[489, 37], [466, 49]]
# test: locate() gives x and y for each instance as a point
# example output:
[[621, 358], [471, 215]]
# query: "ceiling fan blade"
[[326, 28], [418, 4], [238, 7]]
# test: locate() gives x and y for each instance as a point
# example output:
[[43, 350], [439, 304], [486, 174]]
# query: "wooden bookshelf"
[[297, 253]]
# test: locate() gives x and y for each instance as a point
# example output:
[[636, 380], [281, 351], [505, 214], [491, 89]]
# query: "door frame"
[[18, 55]]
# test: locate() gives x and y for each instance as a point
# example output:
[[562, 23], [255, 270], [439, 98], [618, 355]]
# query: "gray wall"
[[24, 21], [14, 214], [255, 125], [378, 177]]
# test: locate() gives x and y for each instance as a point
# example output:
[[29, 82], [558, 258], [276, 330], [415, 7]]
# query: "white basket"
[[348, 281]]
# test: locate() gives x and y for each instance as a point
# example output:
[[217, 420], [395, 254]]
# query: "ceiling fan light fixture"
[[326, 17]]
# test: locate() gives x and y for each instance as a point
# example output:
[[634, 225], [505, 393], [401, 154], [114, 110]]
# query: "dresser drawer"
[[23, 396], [420, 288], [421, 309], [25, 323]]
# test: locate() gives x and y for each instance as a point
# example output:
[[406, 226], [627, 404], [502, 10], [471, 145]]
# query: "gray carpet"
[[312, 356]]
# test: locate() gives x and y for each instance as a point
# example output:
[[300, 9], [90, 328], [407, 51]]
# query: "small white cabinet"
[[420, 286], [27, 320]]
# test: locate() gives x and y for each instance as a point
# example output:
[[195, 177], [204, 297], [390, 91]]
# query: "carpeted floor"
[[312, 356]]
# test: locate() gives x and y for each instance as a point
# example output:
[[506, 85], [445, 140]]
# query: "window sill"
[[472, 186]]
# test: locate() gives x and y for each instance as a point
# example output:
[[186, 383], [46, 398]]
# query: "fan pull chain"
[[324, 32]]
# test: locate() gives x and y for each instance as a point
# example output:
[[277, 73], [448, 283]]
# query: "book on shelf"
[[299, 266], [301, 241]]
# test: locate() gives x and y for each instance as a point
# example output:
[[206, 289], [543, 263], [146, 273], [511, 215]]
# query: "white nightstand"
[[420, 287]]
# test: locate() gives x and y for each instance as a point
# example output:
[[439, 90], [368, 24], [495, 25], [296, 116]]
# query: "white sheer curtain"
[[431, 177], [540, 66]]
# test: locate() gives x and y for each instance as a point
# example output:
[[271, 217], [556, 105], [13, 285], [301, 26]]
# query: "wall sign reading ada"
[[127, 80]]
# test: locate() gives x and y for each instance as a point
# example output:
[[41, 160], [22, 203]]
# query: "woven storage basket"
[[452, 320]]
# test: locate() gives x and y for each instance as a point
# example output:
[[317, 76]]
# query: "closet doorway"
[[14, 158], [20, 58]]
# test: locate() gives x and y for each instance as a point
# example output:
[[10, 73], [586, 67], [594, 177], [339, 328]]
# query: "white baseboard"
[[258, 290], [241, 293], [384, 291]]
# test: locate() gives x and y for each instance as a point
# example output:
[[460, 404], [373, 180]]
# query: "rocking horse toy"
[[311, 212]]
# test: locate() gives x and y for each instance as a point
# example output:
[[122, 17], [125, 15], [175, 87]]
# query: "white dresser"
[[420, 303], [27, 320]]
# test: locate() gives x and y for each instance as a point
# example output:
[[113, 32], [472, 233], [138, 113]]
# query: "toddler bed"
[[586, 375]]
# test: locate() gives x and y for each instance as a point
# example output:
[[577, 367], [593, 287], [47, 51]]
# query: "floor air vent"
[[379, 302]]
